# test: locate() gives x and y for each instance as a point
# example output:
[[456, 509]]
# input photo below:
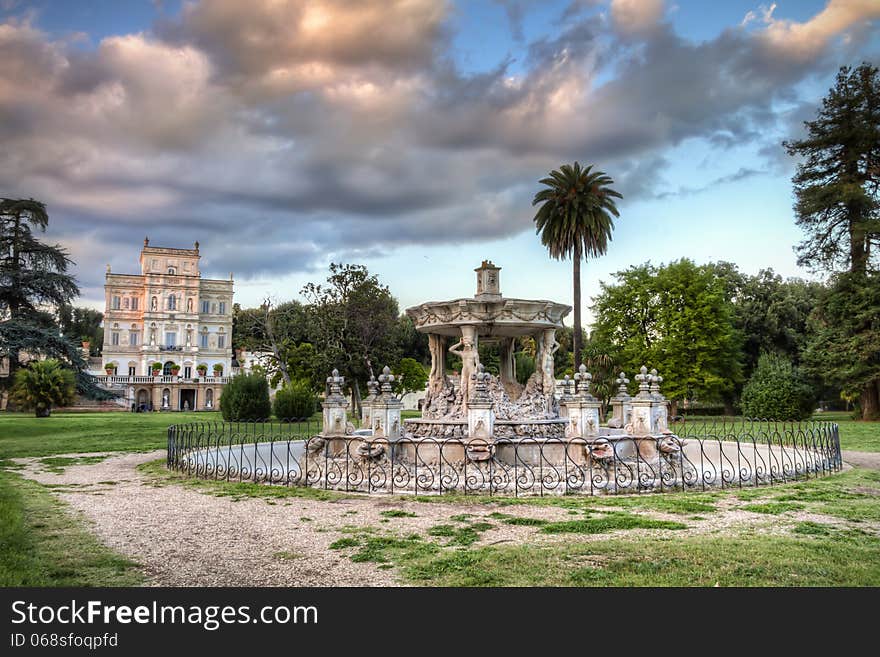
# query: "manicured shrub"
[[294, 401], [777, 391], [246, 397]]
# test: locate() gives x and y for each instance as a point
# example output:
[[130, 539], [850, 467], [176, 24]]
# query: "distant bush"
[[295, 401], [525, 366], [246, 397], [777, 391], [410, 376]]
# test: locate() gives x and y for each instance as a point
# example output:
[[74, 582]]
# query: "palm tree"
[[43, 384], [575, 221]]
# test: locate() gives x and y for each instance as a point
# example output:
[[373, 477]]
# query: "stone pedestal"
[[621, 407], [335, 407], [582, 410], [385, 410], [368, 401]]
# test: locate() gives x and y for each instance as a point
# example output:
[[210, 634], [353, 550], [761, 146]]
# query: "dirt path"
[[183, 537], [862, 459]]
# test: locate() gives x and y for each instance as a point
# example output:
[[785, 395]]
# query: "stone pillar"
[[621, 409], [385, 415], [659, 411], [367, 402], [437, 378], [335, 406], [640, 426], [481, 418], [582, 409]]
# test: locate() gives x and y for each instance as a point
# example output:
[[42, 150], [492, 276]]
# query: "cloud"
[[636, 16], [278, 133]]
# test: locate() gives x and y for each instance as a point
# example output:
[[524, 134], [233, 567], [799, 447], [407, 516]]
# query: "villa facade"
[[167, 332]]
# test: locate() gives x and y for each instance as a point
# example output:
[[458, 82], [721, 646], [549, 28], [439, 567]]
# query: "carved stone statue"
[[466, 349]]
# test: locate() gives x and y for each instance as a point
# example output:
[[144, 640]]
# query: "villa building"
[[167, 332]]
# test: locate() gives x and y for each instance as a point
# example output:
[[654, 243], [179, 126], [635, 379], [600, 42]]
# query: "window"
[[187, 372], [114, 338], [206, 306], [115, 303], [222, 307], [125, 303], [172, 302], [170, 338], [134, 303], [221, 341], [133, 337], [203, 340], [131, 370], [171, 270]]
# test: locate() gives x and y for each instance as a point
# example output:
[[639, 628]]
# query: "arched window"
[[166, 369], [171, 270]]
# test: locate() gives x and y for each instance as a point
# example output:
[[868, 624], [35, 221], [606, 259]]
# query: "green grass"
[[751, 560], [855, 435], [397, 513], [607, 522], [774, 508], [42, 544]]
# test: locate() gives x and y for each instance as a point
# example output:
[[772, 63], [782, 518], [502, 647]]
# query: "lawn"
[[43, 544]]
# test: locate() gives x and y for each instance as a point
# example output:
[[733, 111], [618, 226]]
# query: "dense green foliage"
[[777, 390], [837, 186], [410, 376], [295, 401], [34, 281], [845, 343], [677, 319], [42, 385], [575, 221], [837, 181], [83, 324], [246, 397]]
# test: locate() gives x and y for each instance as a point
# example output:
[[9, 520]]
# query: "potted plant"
[[175, 368], [109, 367], [202, 369], [157, 369], [218, 369]]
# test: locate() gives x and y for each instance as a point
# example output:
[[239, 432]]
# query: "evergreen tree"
[[837, 182], [838, 206], [34, 278]]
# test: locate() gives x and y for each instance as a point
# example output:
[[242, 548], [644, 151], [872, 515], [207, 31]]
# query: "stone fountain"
[[460, 326]]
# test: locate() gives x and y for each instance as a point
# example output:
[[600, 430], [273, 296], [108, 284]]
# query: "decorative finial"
[[386, 379], [146, 241], [196, 245], [644, 380], [335, 382], [622, 382]]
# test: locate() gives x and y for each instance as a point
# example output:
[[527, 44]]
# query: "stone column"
[[582, 409], [640, 426], [367, 402], [385, 415], [335, 406], [621, 409], [481, 417], [659, 411], [437, 378]]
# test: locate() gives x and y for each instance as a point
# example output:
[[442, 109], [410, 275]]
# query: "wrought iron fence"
[[698, 456]]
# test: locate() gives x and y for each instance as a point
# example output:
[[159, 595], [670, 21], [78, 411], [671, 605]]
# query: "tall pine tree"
[[34, 280], [836, 187]]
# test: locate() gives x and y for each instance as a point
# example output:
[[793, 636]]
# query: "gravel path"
[[183, 537], [862, 459]]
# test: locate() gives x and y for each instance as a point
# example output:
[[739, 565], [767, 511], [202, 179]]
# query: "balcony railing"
[[114, 379]]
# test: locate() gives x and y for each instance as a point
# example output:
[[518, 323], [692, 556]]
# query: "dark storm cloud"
[[278, 134]]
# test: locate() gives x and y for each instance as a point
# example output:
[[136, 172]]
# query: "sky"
[[410, 135]]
